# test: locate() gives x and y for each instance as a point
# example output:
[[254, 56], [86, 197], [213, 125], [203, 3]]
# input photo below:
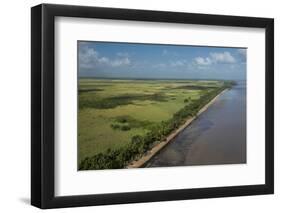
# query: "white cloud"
[[87, 55], [103, 60], [120, 62], [216, 57], [203, 61], [89, 58], [224, 57], [173, 64]]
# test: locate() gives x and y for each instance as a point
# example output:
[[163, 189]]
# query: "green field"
[[112, 112]]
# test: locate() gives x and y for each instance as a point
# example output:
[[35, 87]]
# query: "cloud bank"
[[90, 58], [216, 57]]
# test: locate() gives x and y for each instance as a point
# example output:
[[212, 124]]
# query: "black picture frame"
[[43, 102]]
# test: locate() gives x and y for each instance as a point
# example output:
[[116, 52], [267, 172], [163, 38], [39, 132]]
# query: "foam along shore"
[[145, 158]]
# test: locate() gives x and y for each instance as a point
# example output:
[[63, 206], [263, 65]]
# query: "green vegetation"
[[120, 120]]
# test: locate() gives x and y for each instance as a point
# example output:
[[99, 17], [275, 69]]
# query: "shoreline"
[[150, 154]]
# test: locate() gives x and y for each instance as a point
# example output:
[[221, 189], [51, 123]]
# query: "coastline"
[[144, 159]]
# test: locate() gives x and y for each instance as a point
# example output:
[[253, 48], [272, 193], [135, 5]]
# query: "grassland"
[[121, 119]]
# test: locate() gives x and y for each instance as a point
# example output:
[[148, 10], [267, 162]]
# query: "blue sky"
[[128, 60]]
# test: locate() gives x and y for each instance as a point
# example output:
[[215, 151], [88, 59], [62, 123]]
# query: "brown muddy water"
[[217, 136]]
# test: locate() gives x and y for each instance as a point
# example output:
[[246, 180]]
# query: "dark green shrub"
[[125, 128]]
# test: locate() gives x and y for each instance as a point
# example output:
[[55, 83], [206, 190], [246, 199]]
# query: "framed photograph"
[[139, 106]]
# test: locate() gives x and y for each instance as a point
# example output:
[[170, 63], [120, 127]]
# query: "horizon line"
[[129, 78]]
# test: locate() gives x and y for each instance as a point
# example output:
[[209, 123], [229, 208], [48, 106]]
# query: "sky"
[[158, 61]]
